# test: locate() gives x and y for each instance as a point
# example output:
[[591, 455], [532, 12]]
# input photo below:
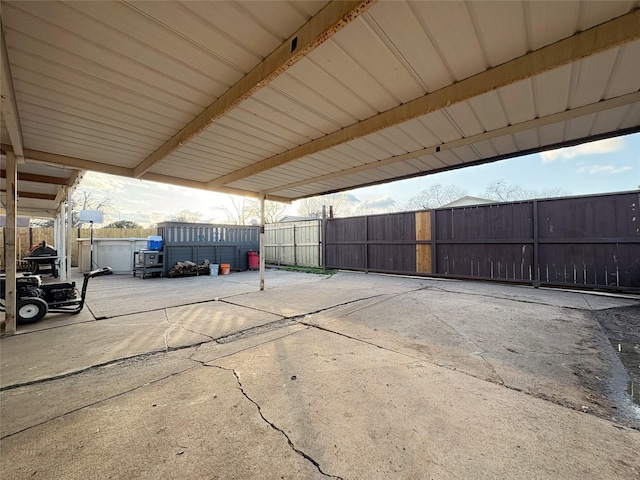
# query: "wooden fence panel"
[[578, 241], [424, 254], [28, 236], [293, 243]]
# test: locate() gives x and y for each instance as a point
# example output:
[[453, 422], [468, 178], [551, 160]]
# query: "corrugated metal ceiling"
[[366, 93]]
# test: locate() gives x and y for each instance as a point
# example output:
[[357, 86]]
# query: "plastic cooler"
[[154, 242]]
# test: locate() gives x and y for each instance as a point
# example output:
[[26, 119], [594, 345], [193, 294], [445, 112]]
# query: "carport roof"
[[300, 98]]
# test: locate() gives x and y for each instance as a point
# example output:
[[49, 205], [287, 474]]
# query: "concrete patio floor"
[[348, 376]]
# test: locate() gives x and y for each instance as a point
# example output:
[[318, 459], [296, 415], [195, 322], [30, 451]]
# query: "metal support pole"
[[10, 242], [262, 197], [91, 245]]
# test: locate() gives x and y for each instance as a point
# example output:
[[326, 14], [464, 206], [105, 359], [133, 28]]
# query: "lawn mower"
[[35, 299]]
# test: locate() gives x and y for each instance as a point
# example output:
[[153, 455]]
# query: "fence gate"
[[294, 243]]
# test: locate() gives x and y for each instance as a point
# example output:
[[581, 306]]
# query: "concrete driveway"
[[348, 376]]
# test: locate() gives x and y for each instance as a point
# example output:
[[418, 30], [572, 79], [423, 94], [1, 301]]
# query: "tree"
[[41, 223], [435, 196], [246, 211], [238, 213], [90, 200], [187, 216], [312, 207], [273, 211], [502, 191], [123, 224]]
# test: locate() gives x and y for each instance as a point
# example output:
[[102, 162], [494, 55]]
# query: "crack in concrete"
[[168, 347], [82, 407], [480, 353], [314, 312], [506, 298], [382, 300], [274, 426], [420, 359], [265, 327]]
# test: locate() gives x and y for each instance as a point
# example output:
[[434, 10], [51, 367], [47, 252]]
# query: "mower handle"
[[99, 272]]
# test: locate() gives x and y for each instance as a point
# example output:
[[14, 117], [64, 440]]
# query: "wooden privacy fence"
[[27, 236], [589, 241], [293, 243]]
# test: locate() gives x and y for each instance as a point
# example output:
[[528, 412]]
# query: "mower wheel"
[[30, 310]]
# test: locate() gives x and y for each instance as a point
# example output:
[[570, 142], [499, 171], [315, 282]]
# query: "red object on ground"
[[254, 260]]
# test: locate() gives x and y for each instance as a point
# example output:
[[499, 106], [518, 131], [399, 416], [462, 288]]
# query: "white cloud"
[[604, 169], [594, 148], [378, 203]]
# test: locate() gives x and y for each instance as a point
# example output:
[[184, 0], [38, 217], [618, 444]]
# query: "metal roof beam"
[[74, 162], [597, 39], [509, 130], [32, 177], [82, 164], [38, 196], [156, 177], [325, 23], [8, 99]]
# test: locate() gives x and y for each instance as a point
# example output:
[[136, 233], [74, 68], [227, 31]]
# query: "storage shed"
[[199, 241]]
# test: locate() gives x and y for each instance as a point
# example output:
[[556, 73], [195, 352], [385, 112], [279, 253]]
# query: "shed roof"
[[292, 99]]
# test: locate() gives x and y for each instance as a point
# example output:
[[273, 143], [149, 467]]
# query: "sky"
[[610, 165]]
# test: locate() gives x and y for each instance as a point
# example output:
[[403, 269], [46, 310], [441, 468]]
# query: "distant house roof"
[[21, 221], [293, 218], [468, 201]]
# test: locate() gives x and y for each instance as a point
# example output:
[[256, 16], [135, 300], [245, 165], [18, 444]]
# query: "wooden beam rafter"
[[482, 137], [608, 35]]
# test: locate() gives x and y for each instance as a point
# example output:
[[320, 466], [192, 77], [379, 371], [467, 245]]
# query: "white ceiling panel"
[[503, 29], [527, 140], [462, 54], [300, 98], [626, 71]]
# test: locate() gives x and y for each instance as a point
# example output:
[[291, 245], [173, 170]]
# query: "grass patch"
[[316, 270]]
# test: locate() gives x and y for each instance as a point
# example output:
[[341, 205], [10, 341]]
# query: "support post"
[[56, 243], [69, 232], [10, 242], [62, 248], [262, 197]]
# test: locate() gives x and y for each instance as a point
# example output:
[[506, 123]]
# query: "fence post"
[[536, 246], [320, 258], [434, 245], [295, 246], [324, 237], [366, 244], [278, 245]]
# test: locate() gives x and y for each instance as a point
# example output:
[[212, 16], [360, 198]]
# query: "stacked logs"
[[189, 269]]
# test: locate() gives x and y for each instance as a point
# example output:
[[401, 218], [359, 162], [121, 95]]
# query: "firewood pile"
[[189, 269]]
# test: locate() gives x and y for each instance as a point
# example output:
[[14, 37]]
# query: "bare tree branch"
[[435, 196]]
